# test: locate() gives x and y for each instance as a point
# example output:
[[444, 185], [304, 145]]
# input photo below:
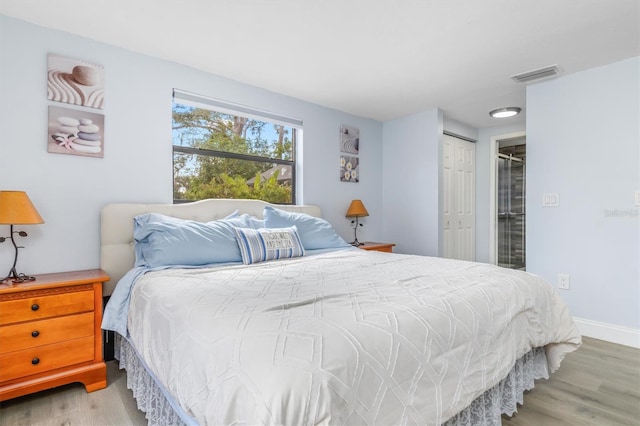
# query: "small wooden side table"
[[50, 333]]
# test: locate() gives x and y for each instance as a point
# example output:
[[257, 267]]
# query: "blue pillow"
[[141, 220], [164, 241], [314, 232], [247, 221], [260, 245]]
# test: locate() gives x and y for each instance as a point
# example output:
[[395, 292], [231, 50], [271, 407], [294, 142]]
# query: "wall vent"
[[539, 74]]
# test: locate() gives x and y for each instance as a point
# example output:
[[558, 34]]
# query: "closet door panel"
[[458, 198], [448, 213]]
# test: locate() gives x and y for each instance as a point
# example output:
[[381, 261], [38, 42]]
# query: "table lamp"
[[16, 209], [356, 209]]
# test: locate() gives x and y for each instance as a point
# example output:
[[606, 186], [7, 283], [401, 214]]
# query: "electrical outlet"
[[564, 282]]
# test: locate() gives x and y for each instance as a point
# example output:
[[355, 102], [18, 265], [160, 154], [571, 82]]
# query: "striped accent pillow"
[[259, 245]]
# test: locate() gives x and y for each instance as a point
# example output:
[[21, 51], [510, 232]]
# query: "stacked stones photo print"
[[80, 83], [349, 144], [75, 132]]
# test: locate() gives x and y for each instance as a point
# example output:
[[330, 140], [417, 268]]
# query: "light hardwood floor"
[[597, 385]]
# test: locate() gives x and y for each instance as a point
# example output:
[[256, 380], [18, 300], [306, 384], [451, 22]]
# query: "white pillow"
[[259, 245]]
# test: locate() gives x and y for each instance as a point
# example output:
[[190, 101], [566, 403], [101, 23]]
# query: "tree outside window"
[[222, 155]]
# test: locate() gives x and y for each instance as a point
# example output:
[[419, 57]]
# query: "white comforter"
[[350, 337]]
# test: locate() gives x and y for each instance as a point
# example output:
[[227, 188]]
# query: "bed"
[[243, 312]]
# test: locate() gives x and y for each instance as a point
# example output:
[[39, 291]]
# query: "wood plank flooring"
[[71, 405], [597, 385]]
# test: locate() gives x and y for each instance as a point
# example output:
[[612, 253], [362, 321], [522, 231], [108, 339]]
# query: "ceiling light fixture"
[[505, 112]]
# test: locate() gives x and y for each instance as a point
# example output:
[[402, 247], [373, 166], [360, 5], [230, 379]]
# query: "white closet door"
[[448, 212], [459, 198]]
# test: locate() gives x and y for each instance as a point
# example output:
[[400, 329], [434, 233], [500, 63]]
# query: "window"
[[223, 150]]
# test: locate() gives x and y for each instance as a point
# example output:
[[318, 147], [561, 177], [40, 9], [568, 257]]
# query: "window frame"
[[197, 101]]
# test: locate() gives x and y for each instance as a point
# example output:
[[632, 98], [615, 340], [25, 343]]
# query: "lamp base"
[[355, 241], [17, 278], [14, 276]]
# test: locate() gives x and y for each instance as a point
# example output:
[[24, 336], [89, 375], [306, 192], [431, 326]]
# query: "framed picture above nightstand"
[[369, 245]]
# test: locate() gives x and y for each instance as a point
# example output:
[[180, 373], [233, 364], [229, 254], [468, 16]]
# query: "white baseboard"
[[609, 332]]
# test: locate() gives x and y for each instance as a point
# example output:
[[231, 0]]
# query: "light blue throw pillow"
[[315, 233], [260, 245], [168, 241]]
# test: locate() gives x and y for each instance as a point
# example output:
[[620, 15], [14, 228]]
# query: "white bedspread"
[[350, 337]]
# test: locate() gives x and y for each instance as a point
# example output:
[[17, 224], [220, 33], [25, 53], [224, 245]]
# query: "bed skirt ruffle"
[[486, 410], [150, 396]]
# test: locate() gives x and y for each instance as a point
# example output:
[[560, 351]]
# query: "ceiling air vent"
[[539, 74]]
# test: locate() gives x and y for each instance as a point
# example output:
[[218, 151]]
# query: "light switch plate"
[[550, 199], [637, 199], [564, 282]]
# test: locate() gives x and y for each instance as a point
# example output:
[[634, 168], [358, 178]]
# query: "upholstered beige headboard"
[[116, 229]]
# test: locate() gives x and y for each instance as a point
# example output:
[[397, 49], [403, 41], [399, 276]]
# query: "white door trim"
[[493, 189]]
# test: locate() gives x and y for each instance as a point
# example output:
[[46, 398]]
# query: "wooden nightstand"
[[50, 333], [386, 247]]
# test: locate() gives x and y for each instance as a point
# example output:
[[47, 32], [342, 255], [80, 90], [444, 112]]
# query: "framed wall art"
[[349, 149], [349, 140], [349, 169], [75, 132], [75, 81]]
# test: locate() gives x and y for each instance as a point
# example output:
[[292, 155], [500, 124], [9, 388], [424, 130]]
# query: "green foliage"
[[225, 186], [270, 190], [208, 176]]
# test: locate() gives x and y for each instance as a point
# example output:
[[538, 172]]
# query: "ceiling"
[[380, 59]]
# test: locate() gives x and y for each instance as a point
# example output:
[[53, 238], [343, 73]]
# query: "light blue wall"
[[69, 191], [411, 164], [583, 142], [459, 129]]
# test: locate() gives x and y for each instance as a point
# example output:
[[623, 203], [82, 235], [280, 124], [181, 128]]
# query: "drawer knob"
[[35, 361], [35, 307], [35, 333]]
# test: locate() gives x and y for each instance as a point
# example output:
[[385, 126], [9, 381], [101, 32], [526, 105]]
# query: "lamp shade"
[[357, 209], [16, 209]]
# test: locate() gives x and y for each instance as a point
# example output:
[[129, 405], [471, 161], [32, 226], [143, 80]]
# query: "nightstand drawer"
[[44, 332], [45, 306], [43, 358]]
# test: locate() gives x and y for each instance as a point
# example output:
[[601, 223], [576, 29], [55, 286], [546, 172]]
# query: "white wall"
[[69, 191], [411, 164], [583, 142]]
